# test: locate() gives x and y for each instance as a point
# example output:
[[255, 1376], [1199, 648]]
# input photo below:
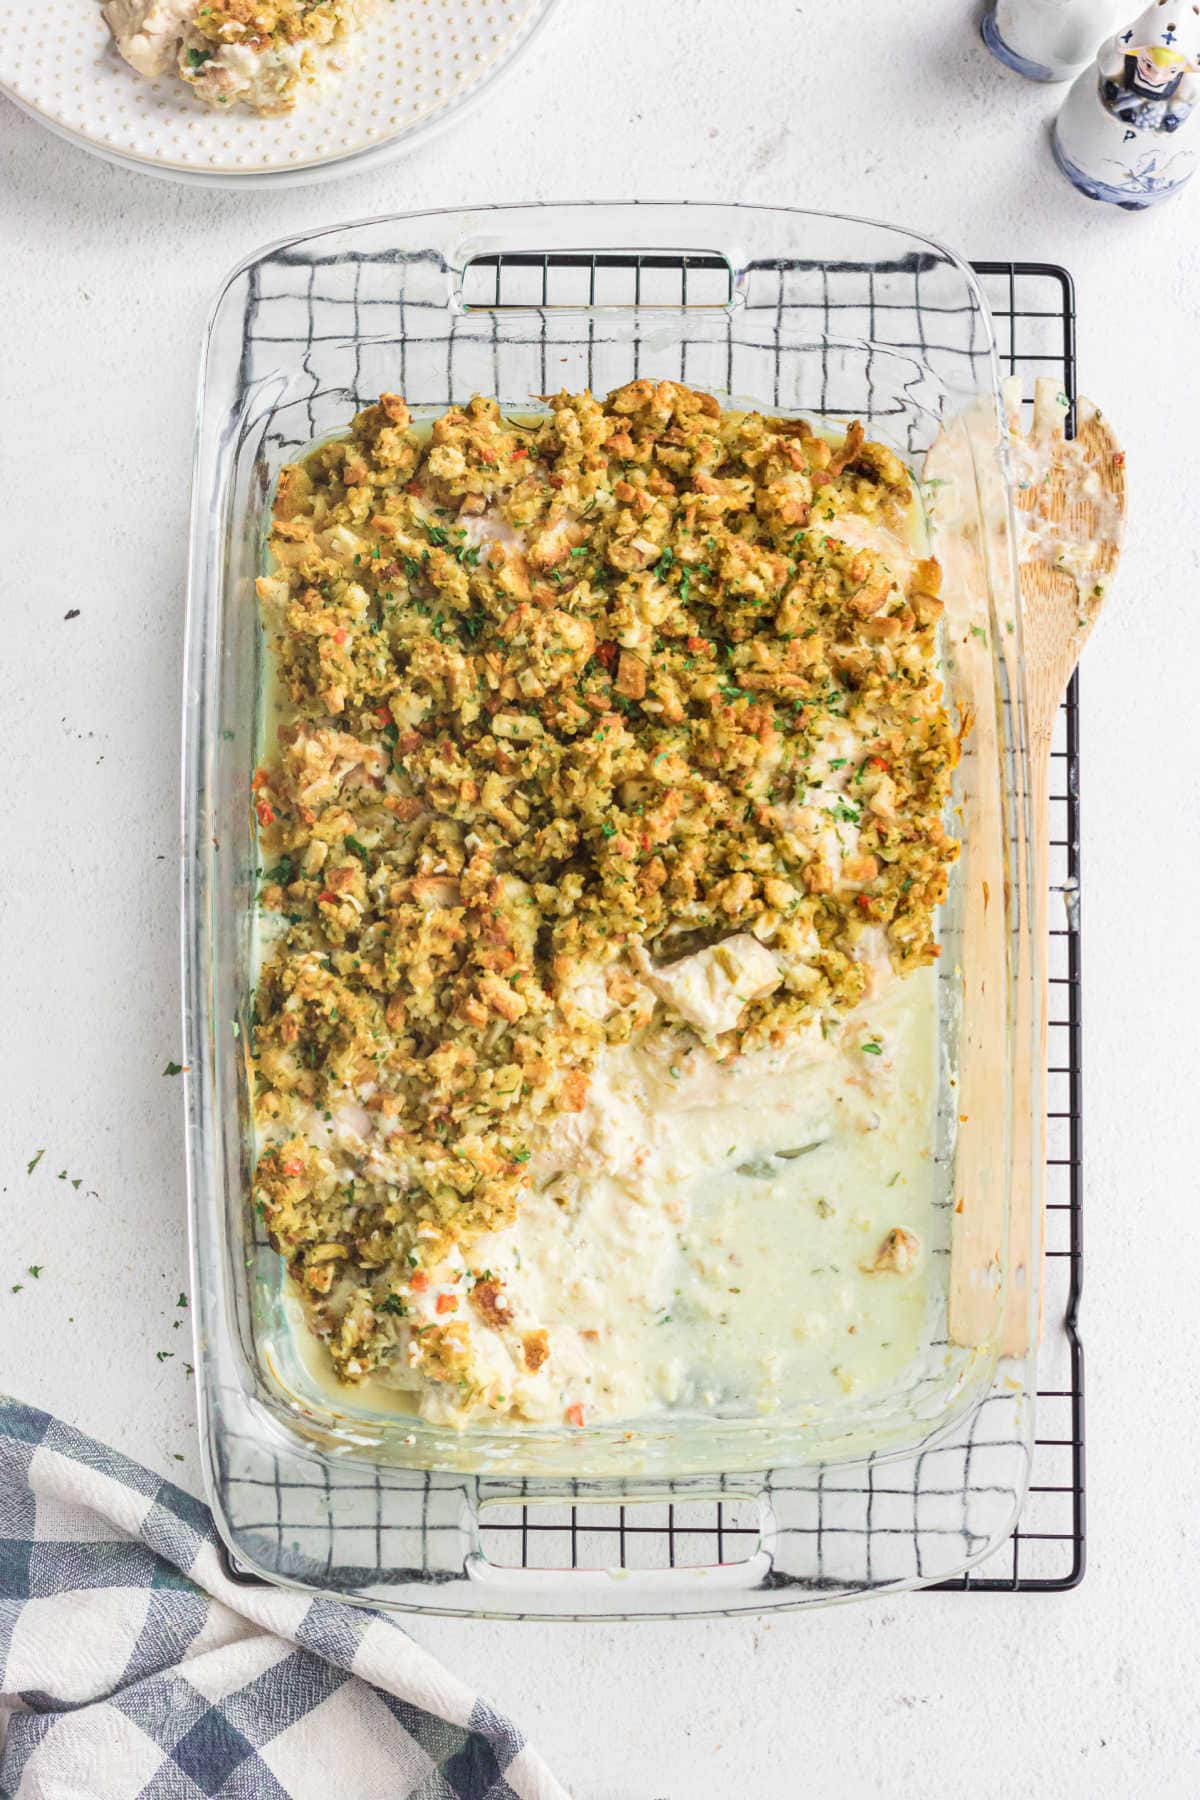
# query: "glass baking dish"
[[793, 312]]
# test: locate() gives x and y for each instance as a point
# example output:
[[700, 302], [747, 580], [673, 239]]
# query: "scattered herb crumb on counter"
[[607, 806]]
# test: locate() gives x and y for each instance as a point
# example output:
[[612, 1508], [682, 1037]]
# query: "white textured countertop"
[[105, 278]]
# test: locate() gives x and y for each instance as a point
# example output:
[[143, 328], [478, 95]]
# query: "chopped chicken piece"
[[709, 989]]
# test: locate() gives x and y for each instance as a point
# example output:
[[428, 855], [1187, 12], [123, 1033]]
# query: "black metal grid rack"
[[1032, 308]]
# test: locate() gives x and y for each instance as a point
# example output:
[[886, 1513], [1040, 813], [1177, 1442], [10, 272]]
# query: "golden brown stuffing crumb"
[[897, 1254]]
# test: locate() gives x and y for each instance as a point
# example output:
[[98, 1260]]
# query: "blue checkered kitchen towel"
[[131, 1669]]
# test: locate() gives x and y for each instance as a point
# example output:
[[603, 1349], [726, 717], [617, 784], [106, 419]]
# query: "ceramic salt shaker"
[[1046, 40], [1125, 132]]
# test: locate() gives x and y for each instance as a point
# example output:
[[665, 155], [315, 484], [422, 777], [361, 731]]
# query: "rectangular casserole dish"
[[799, 313]]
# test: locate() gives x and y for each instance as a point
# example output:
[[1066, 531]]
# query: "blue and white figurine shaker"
[[1047, 40], [1125, 132]]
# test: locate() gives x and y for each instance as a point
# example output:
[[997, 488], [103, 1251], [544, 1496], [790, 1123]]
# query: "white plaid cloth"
[[131, 1669]]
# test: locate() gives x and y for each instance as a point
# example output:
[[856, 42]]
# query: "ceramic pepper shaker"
[[1046, 40], [1126, 131]]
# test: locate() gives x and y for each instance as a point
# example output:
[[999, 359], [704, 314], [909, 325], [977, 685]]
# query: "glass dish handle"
[[532, 232], [599, 1551]]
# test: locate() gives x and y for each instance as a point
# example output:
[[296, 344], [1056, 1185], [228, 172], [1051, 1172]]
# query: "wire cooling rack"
[[866, 1526]]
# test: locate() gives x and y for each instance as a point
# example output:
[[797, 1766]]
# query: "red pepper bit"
[[518, 454], [293, 1168], [447, 1303], [266, 812], [261, 779], [574, 1414], [339, 636], [419, 1281], [327, 897]]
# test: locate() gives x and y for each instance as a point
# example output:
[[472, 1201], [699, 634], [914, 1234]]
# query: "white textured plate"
[[416, 61]]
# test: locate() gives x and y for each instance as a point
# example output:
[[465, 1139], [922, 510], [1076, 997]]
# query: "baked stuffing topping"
[[617, 725]]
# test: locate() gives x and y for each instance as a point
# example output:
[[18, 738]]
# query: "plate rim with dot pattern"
[[59, 65]]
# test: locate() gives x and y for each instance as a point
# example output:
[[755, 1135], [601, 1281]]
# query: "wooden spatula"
[[1071, 521]]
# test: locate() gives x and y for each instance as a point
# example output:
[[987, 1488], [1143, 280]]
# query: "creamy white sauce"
[[702, 1236]]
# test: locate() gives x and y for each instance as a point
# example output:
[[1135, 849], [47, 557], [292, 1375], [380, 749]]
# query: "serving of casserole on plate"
[[605, 828], [261, 54]]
